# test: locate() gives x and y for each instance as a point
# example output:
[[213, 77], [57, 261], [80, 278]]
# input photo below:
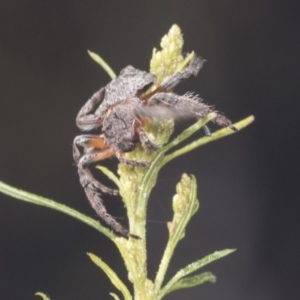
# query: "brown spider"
[[121, 111]]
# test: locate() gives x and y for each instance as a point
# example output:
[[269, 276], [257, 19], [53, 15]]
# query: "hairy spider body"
[[121, 111]]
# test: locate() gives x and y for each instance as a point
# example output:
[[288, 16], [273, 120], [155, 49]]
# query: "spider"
[[121, 111]]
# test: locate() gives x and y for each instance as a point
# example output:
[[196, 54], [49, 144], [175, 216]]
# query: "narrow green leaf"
[[185, 205], [185, 62], [189, 131], [197, 265], [114, 296], [98, 59], [32, 198], [203, 262], [110, 175], [189, 282], [207, 139], [189, 191], [115, 280], [44, 296]]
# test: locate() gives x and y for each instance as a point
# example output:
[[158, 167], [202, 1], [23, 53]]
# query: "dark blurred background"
[[246, 183]]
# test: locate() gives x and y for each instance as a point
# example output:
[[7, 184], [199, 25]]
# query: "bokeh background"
[[247, 183]]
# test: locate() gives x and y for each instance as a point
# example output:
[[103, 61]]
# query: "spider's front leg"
[[192, 69]]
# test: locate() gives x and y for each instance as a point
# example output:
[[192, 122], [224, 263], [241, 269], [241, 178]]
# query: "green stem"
[[147, 183]]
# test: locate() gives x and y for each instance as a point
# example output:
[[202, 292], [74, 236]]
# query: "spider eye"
[[126, 145], [109, 127]]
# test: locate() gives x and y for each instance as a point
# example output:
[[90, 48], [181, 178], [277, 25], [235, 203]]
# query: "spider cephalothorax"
[[121, 111]]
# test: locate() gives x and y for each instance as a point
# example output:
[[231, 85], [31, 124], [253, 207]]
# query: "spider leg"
[[96, 203], [159, 112], [87, 120], [189, 106], [206, 130], [92, 187], [147, 142], [192, 69], [131, 162], [85, 175], [91, 145]]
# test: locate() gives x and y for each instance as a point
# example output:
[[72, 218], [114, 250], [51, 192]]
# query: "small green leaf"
[[98, 59], [39, 200], [207, 139], [182, 65], [183, 210], [44, 296], [197, 265], [110, 175], [187, 190], [114, 296], [203, 262], [188, 282], [115, 280]]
